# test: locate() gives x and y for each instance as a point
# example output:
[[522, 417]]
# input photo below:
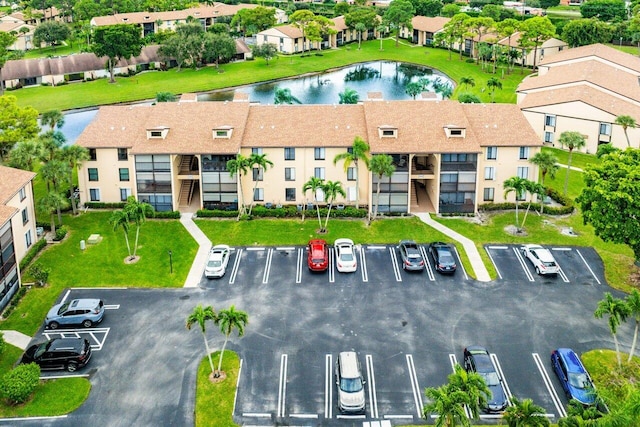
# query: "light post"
[[620, 41], [170, 262]]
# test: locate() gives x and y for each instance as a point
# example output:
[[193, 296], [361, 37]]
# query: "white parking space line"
[[454, 361], [236, 265], [299, 265], [328, 386], [466, 277], [505, 385], [332, 264], [374, 247], [255, 249], [523, 264], [497, 247], [96, 336], [282, 386], [285, 248], [363, 264], [235, 396], [427, 263], [267, 267], [415, 388], [491, 258], [563, 276], [111, 306], [562, 249], [588, 267], [547, 382], [394, 261], [373, 400]]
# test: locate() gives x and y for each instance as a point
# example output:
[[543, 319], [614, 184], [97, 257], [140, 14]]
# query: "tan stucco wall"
[[18, 228], [108, 182]]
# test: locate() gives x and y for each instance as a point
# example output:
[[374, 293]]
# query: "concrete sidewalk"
[[16, 339], [197, 267], [470, 248]]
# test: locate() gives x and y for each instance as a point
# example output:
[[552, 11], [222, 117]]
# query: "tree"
[[49, 204], [186, 45], [381, 29], [428, 7], [6, 40], [626, 122], [358, 151], [331, 190], [473, 385], [617, 311], [534, 189], [507, 28], [228, 320], [119, 219], [361, 19], [137, 213], [360, 28], [55, 172], [534, 32], [380, 165], [349, 96], [467, 81], [252, 21], [315, 185], [284, 96], [24, 154], [572, 141], [413, 89], [268, 51], [633, 304], [318, 29], [399, 14], [455, 31], [449, 404], [546, 4], [610, 199], [302, 19], [218, 48], [605, 10], [260, 163], [469, 98], [74, 155], [582, 32], [518, 186], [479, 26], [450, 10], [525, 413], [16, 124], [116, 42], [53, 119], [201, 315], [51, 33], [493, 83], [239, 166], [547, 163]]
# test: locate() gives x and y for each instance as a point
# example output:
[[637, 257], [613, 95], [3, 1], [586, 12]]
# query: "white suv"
[[541, 259]]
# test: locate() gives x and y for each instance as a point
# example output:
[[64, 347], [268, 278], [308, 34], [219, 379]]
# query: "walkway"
[[469, 246], [16, 339], [195, 274], [573, 168]]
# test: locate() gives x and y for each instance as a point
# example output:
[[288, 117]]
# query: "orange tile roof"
[[428, 23], [11, 181], [594, 51]]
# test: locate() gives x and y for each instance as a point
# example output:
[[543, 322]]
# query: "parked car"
[[443, 259], [573, 376], [350, 383], [85, 311], [541, 259], [411, 256], [477, 359], [345, 256], [318, 255], [217, 262], [59, 353]]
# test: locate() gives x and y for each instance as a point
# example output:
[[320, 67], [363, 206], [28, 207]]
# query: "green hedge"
[[168, 214], [565, 209], [31, 253], [103, 205], [290, 211], [61, 232]]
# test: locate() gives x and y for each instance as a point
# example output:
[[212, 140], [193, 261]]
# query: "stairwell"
[[185, 164], [186, 191], [414, 195]]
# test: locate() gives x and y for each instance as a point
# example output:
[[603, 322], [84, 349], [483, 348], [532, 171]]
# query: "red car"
[[318, 255]]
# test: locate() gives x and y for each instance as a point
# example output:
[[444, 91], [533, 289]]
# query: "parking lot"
[[408, 329]]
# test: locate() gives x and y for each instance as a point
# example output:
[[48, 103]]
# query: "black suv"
[[477, 359], [443, 259], [59, 353]]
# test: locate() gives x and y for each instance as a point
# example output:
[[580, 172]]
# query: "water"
[[389, 78]]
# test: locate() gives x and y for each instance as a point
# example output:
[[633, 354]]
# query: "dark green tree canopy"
[[51, 32], [582, 32], [361, 15], [252, 21], [116, 42], [605, 10], [399, 14]]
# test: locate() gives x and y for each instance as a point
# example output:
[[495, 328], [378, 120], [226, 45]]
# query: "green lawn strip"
[[611, 381], [145, 85], [214, 401], [578, 160], [8, 358]]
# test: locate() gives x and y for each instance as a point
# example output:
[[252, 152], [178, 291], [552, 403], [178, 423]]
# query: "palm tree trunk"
[[627, 136], [222, 353], [72, 199], [241, 204], [326, 221], [517, 218], [318, 210], [633, 343], [615, 340], [566, 178], [206, 345], [135, 246], [375, 211], [53, 223], [357, 185], [126, 239], [254, 192]]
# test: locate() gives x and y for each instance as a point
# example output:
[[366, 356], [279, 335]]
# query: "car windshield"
[[351, 385], [446, 258], [317, 260], [63, 308], [579, 381], [40, 350], [214, 263], [491, 378]]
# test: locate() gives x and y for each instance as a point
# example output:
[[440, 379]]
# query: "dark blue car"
[[573, 376]]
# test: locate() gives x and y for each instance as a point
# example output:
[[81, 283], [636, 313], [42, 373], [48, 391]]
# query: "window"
[[489, 173], [124, 174], [222, 133], [23, 194], [92, 154], [258, 174], [257, 151], [318, 173], [289, 153], [290, 194], [523, 172], [25, 216], [122, 154], [289, 174], [492, 153], [124, 194], [351, 174], [524, 153], [387, 132], [93, 174], [27, 238], [488, 194], [156, 134], [94, 194], [605, 129], [258, 195], [548, 137], [318, 153], [549, 120]]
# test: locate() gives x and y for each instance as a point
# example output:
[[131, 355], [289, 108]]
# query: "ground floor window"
[[488, 194], [394, 192], [160, 202], [94, 194], [290, 194]]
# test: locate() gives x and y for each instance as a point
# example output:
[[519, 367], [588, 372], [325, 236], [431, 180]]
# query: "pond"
[[389, 78]]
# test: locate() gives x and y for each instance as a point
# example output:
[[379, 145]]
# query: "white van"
[[350, 383]]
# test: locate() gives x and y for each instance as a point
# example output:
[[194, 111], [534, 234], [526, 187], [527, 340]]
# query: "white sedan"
[[217, 262], [541, 259], [345, 256]]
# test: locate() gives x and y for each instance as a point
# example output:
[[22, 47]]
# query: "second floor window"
[[289, 153], [258, 174], [124, 174], [318, 173], [289, 174]]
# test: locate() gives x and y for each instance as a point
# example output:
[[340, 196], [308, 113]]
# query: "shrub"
[[31, 254], [103, 205], [216, 213], [61, 232], [18, 384], [40, 274], [14, 302], [3, 343], [168, 214]]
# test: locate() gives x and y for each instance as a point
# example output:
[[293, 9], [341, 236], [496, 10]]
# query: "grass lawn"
[[610, 380], [215, 401], [578, 160], [146, 85]]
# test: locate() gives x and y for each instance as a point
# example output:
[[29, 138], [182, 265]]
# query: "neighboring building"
[[584, 89], [424, 29], [22, 31], [17, 227], [449, 157]]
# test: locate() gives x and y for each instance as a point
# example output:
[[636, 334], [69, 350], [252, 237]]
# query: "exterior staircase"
[[414, 195], [186, 192], [185, 164]]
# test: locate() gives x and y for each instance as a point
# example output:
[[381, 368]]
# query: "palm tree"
[[525, 413], [381, 29], [119, 219], [518, 186], [547, 163], [228, 320], [24, 154], [53, 119], [331, 190], [633, 303], [448, 404], [284, 96], [534, 189], [49, 204], [200, 315], [359, 150], [618, 311], [381, 165], [137, 213], [54, 172], [571, 140], [314, 184], [51, 142], [260, 162], [467, 81], [240, 166], [349, 96], [626, 122], [360, 28], [473, 385], [74, 155], [413, 89], [492, 84]]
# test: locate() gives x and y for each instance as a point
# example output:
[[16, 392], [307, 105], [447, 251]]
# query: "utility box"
[[82, 245]]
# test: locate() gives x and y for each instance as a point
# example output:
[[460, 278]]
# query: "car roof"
[[571, 360], [482, 358], [84, 303], [73, 343], [340, 242], [315, 242]]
